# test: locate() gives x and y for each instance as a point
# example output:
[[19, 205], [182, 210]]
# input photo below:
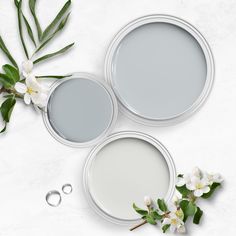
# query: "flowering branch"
[[173, 216], [23, 84]]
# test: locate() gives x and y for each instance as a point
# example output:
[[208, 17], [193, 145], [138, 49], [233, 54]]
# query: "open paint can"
[[160, 68], [80, 111], [123, 169]]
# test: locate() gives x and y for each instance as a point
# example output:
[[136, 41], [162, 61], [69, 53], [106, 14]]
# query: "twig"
[[139, 225]]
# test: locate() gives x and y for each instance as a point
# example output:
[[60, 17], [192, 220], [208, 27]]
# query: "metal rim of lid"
[[126, 134], [104, 134], [124, 107]]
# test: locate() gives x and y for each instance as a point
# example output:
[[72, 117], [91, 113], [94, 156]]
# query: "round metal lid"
[[80, 111], [160, 68], [124, 168]]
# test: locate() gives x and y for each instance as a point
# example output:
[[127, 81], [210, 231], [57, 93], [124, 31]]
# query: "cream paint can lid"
[[123, 169]]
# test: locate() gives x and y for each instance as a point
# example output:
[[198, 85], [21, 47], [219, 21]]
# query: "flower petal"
[[27, 99], [166, 221], [198, 193], [20, 87], [39, 99], [206, 189], [190, 186], [172, 228], [180, 182]]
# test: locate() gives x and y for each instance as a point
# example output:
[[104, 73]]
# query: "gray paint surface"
[[123, 172], [80, 110], [159, 70]]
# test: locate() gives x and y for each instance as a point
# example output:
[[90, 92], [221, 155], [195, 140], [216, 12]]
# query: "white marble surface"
[[32, 162]]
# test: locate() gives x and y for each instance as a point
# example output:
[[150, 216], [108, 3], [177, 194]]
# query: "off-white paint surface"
[[123, 172]]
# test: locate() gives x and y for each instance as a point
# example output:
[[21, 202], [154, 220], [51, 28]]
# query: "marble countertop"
[[32, 162]]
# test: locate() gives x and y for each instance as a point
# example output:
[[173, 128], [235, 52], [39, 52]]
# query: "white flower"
[[27, 67], [213, 178], [186, 179], [181, 181], [176, 224], [199, 186], [147, 201], [32, 91], [176, 210]]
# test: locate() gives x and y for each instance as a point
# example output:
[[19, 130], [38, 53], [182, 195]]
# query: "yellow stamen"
[[199, 186], [30, 91], [173, 221]]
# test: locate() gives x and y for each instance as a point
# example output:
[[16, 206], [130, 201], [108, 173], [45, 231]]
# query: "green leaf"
[[4, 129], [56, 20], [183, 190], [7, 108], [150, 220], [63, 50], [59, 28], [140, 211], [19, 13], [16, 3], [53, 76], [155, 215], [197, 216], [213, 187], [32, 4], [162, 205], [6, 81], [180, 175], [165, 228], [12, 72], [7, 53], [188, 208], [29, 30]]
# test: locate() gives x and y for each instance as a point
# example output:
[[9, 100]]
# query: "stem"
[[11, 91], [138, 225]]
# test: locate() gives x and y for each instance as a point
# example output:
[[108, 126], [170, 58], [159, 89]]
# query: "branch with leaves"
[[173, 216], [21, 83]]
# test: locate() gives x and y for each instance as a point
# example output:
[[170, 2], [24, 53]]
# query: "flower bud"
[[175, 200], [197, 172], [27, 66], [147, 201], [181, 229]]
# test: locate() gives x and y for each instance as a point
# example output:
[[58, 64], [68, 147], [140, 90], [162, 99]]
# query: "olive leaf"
[[188, 208], [53, 24], [32, 4], [63, 50], [183, 190], [6, 81], [12, 72], [29, 30], [19, 14], [162, 205], [6, 110], [59, 28], [151, 220], [165, 228], [155, 215], [7, 53], [53, 76], [197, 216], [213, 187], [140, 211]]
